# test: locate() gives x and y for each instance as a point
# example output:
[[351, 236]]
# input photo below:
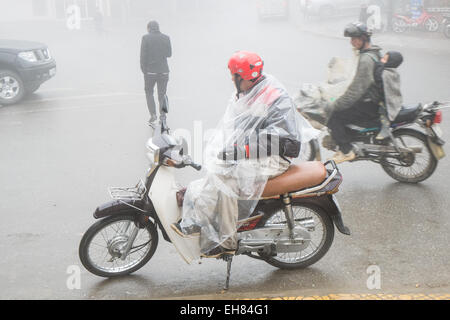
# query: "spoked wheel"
[[102, 246], [308, 151], [399, 25], [322, 235], [447, 31], [411, 167], [431, 24]]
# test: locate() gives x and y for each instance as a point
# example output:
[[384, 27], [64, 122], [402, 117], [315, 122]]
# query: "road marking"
[[89, 96], [72, 108], [86, 96], [380, 296], [56, 89], [80, 97]]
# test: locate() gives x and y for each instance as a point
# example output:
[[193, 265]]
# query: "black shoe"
[[217, 252], [185, 232]]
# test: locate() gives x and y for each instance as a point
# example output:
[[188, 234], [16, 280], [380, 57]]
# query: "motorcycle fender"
[[330, 205], [436, 149], [115, 207]]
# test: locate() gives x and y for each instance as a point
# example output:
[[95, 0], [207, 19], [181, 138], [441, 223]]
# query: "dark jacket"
[[155, 49], [276, 128], [363, 87]]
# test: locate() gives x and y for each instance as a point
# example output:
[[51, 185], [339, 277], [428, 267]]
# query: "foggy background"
[[86, 128]]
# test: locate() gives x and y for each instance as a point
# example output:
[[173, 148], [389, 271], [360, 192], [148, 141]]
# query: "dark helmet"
[[153, 26], [395, 59], [357, 30]]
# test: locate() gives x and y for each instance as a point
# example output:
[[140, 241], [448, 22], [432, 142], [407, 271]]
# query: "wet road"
[[86, 129]]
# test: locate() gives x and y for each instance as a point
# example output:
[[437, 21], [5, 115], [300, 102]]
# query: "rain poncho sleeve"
[[392, 93], [242, 154]]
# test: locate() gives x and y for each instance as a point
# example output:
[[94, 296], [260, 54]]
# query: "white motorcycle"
[[290, 230]]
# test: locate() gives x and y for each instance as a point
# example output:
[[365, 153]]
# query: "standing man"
[[155, 49]]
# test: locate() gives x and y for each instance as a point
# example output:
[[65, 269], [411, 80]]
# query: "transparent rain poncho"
[[239, 158], [313, 98]]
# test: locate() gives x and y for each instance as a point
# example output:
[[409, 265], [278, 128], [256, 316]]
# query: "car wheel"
[[12, 88]]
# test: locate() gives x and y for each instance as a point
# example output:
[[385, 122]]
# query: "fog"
[[85, 129], [203, 37], [204, 33]]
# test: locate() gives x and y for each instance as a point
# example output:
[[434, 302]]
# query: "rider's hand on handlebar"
[[235, 153]]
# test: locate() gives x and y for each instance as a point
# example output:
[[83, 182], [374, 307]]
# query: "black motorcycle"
[[408, 155]]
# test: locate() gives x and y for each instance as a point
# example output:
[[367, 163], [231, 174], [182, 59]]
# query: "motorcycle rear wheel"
[[321, 239], [423, 165], [108, 236]]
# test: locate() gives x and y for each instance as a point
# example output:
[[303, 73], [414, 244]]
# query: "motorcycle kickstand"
[[228, 258]]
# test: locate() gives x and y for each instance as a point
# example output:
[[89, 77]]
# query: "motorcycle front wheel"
[[431, 25], [103, 243], [308, 151], [399, 25], [321, 237], [447, 30], [411, 167]]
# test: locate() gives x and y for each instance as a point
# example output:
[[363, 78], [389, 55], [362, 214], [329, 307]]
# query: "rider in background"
[[360, 103]]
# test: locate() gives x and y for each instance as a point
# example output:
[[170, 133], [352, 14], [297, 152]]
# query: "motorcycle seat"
[[297, 177], [408, 114]]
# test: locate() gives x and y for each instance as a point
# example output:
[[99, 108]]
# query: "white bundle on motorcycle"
[[241, 155], [312, 100]]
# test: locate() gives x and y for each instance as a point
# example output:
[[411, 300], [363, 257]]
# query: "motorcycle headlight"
[[28, 56], [152, 152]]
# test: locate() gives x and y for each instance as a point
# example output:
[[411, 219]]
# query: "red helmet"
[[246, 64]]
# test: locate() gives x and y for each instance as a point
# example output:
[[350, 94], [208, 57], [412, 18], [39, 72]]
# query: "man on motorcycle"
[[254, 141], [359, 104]]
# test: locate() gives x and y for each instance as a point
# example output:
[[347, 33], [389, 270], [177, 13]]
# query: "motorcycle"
[[425, 21], [291, 229], [408, 155], [446, 26]]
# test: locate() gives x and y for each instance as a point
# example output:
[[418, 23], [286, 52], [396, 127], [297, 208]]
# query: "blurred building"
[[13, 10]]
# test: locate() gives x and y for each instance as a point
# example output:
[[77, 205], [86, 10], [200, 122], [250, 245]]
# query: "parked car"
[[328, 8], [24, 66], [273, 9]]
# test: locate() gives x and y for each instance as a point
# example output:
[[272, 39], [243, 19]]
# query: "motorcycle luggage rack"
[[128, 193]]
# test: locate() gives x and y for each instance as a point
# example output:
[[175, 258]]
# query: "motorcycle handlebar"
[[196, 166]]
